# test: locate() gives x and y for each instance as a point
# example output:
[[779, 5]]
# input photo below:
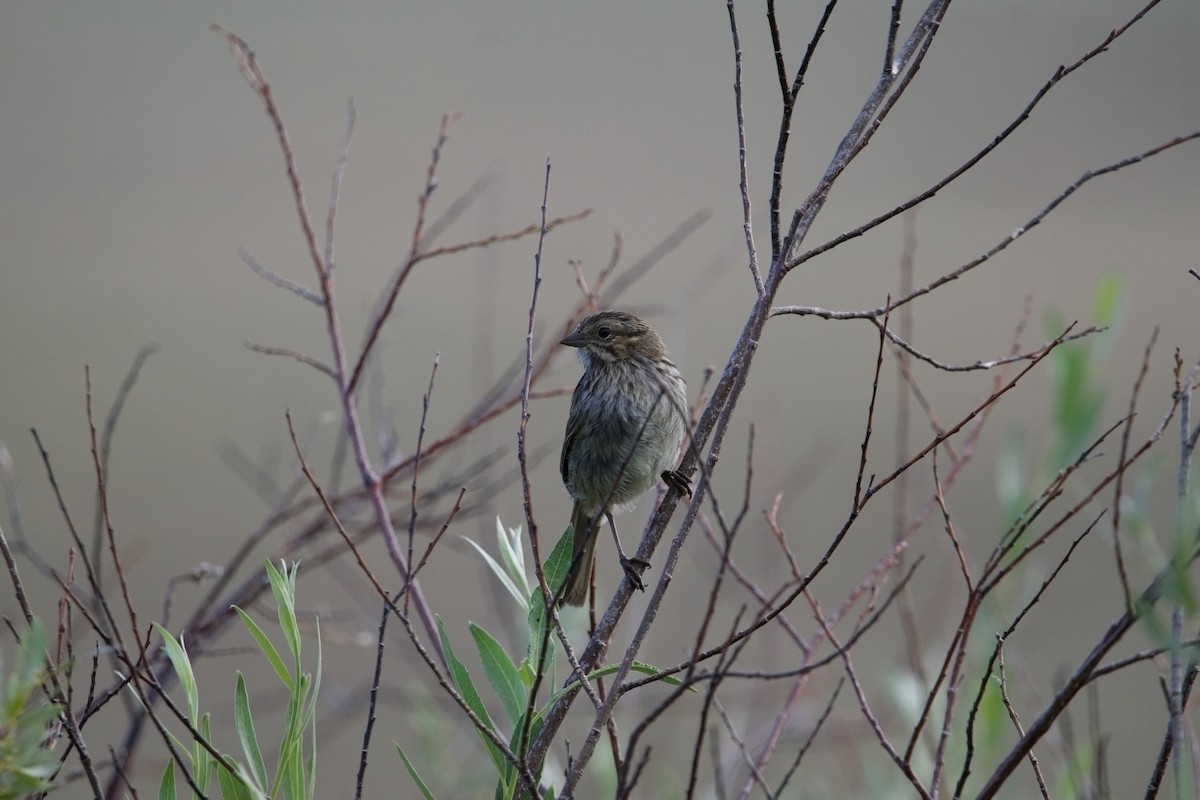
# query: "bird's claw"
[[634, 567], [676, 479]]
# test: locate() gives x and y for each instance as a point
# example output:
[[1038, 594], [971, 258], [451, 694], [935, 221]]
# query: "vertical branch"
[[1016, 720], [788, 103], [335, 191], [1165, 749], [111, 539], [1183, 545], [110, 427], [345, 375], [526, 383], [547, 592], [1118, 488], [889, 52], [743, 179], [412, 518]]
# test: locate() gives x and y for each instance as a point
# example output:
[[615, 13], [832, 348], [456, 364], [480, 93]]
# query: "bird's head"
[[610, 336]]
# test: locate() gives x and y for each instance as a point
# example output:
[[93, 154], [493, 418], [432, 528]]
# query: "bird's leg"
[[677, 480], [634, 567]]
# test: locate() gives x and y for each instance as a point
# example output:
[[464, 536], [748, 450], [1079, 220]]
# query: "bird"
[[626, 424]]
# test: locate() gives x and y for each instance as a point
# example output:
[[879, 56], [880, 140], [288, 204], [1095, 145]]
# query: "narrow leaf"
[[501, 575], [183, 669], [268, 649], [412, 771], [466, 688], [244, 722], [501, 673], [283, 586], [512, 553], [166, 786]]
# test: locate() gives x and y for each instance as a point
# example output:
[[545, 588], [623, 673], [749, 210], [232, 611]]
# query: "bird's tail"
[[579, 578]]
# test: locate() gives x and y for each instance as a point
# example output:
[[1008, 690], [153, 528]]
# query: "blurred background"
[[135, 162]]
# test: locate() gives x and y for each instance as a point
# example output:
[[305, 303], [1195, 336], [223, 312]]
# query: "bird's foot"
[[676, 479], [634, 567]]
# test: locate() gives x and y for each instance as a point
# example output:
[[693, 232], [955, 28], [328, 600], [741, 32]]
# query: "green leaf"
[[233, 787], [513, 554], [177, 653], [201, 758], [501, 575], [501, 673], [166, 786], [244, 722], [466, 688], [267, 648], [291, 765], [26, 767], [1179, 585], [310, 717], [515, 743], [412, 771], [555, 568], [559, 561], [27, 666], [283, 586], [650, 669], [1106, 306], [525, 671], [1079, 396]]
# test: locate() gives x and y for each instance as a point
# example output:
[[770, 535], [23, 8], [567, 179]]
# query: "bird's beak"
[[575, 339]]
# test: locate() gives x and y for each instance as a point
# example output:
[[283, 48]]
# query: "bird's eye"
[[604, 332]]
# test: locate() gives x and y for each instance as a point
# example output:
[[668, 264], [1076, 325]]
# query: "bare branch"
[[303, 358], [298, 289]]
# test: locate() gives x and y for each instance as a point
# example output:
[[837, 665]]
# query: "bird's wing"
[[574, 426]]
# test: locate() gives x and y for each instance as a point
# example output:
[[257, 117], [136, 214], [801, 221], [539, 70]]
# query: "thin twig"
[[1016, 721], [743, 179], [303, 358], [275, 279], [1059, 75]]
